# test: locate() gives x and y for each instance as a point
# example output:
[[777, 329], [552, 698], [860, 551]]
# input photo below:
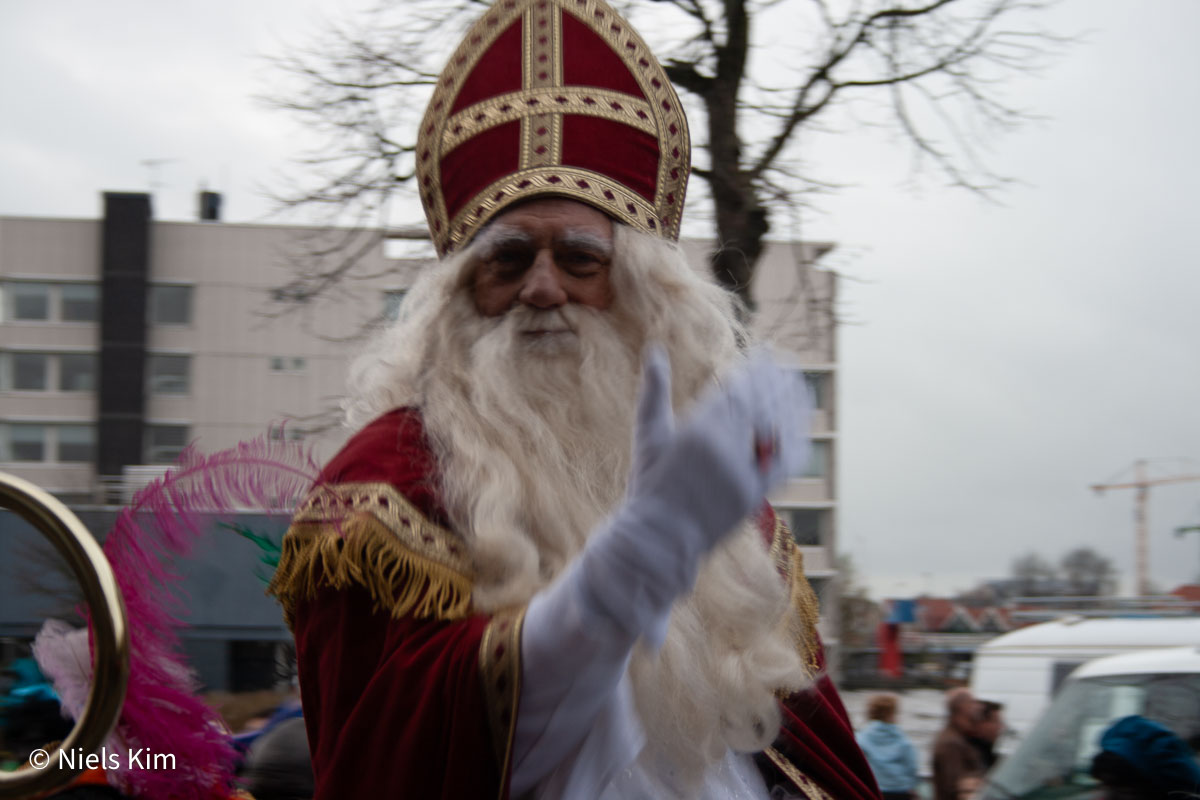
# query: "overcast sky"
[[1004, 356]]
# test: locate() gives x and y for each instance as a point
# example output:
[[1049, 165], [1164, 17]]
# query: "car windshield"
[[1055, 759]]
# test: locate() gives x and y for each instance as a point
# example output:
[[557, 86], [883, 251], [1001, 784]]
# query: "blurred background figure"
[[1140, 759], [29, 712], [891, 755], [278, 765], [988, 728], [957, 765]]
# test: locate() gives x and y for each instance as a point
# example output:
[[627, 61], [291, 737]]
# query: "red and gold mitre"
[[552, 98]]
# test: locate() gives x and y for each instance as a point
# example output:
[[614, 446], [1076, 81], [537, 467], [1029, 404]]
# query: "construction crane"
[[1142, 482]]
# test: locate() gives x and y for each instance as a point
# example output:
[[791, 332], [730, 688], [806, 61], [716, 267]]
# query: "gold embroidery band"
[[500, 672], [799, 779], [582, 184], [541, 125], [601, 103]]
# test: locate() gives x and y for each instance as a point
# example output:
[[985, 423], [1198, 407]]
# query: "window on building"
[[170, 304], [6, 372], [77, 372], [391, 304], [820, 587], [80, 302], [164, 443], [169, 374], [27, 301], [818, 462], [35, 372], [30, 371], [21, 441], [288, 363], [32, 301], [805, 524], [291, 433], [818, 383], [76, 443]]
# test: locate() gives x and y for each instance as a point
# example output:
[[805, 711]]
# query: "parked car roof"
[[1081, 632], [1146, 662]]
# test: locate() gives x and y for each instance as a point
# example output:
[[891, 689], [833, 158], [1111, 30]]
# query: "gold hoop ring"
[[110, 631]]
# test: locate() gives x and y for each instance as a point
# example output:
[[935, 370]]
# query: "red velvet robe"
[[408, 692]]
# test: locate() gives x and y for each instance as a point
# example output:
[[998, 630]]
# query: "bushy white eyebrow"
[[586, 240], [495, 237]]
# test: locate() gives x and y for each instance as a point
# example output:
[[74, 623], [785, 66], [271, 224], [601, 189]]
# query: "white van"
[[1055, 758], [1024, 669]]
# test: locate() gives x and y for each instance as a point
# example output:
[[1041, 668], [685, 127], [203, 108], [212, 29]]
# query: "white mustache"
[[526, 320]]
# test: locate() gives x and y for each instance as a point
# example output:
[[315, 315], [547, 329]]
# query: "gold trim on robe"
[[500, 672], [789, 560], [802, 782]]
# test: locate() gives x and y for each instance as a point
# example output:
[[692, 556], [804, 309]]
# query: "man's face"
[[966, 715], [990, 726], [543, 255]]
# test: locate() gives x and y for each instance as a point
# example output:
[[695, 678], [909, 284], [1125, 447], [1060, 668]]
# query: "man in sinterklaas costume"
[[544, 566]]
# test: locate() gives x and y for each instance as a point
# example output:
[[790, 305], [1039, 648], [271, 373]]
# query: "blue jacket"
[[891, 755]]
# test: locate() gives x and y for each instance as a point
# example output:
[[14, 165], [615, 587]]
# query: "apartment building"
[[123, 339]]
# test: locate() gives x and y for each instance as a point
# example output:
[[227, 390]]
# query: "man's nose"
[[543, 288]]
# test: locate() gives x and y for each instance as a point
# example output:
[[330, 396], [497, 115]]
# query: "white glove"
[[690, 485]]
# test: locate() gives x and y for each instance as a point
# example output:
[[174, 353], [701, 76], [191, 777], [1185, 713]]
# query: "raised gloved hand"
[[740, 440], [692, 482]]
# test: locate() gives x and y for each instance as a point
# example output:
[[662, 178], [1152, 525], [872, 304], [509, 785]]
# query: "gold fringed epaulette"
[[370, 535]]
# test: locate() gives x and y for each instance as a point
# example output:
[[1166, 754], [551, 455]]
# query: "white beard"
[[533, 440]]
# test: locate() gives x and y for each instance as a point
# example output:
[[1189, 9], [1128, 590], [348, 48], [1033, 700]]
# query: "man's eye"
[[582, 260], [507, 263]]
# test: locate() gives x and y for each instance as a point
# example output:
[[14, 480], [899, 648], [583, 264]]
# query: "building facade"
[[123, 339]]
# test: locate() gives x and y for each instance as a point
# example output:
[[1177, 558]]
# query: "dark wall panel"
[[125, 274]]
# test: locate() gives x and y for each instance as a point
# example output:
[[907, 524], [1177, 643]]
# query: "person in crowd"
[[278, 765], [891, 755], [1141, 759], [988, 727], [957, 766]]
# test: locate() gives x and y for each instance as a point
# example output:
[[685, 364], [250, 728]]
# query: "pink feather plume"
[[162, 525]]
